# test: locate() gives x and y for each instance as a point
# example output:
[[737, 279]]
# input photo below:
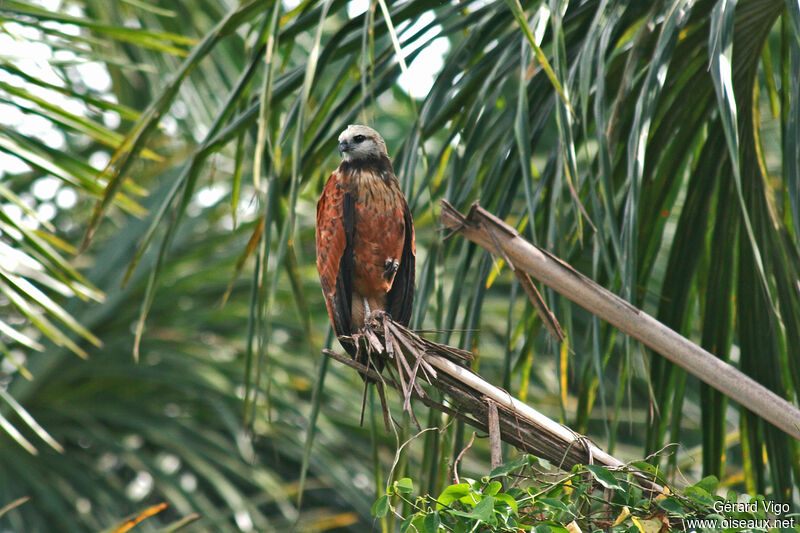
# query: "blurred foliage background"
[[160, 316]]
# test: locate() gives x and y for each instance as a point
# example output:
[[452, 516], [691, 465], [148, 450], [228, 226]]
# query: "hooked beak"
[[343, 147]]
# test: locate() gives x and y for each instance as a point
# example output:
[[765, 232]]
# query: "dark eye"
[[359, 139]]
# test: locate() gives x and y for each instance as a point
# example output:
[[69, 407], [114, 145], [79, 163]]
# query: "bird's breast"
[[379, 232], [375, 192]]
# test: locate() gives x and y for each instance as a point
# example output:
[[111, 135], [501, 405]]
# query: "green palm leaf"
[[651, 145]]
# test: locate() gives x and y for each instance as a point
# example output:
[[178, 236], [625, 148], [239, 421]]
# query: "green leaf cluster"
[[652, 145], [521, 496]]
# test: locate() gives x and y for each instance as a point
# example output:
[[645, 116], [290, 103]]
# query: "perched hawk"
[[365, 237]]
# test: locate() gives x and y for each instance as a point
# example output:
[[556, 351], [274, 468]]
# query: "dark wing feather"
[[344, 279], [401, 296], [335, 253]]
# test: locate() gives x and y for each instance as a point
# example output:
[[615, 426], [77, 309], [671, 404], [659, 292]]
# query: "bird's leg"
[[366, 309], [369, 314]]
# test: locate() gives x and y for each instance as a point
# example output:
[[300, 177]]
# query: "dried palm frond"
[[485, 229], [412, 363]]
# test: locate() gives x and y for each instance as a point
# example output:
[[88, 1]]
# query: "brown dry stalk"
[[488, 231], [414, 361]]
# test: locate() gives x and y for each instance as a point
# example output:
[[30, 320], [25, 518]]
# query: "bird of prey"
[[365, 237]]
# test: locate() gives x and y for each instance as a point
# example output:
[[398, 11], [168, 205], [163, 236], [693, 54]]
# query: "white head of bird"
[[361, 142]]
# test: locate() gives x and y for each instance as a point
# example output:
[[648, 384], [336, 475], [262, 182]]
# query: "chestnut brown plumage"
[[365, 237]]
